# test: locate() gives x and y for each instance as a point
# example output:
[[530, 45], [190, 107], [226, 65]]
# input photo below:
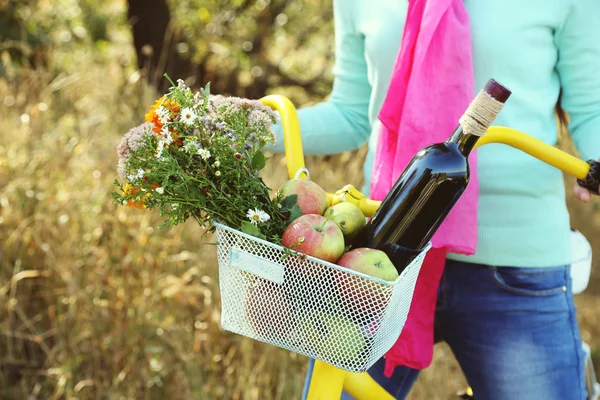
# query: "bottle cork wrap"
[[481, 113]]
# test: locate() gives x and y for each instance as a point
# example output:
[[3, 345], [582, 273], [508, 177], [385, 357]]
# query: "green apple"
[[349, 218], [345, 340], [331, 336]]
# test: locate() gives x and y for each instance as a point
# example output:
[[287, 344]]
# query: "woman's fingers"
[[582, 193]]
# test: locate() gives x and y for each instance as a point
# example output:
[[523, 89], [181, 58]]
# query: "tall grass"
[[95, 301]]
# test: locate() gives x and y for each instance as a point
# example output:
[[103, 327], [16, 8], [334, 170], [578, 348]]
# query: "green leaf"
[[295, 212], [288, 202], [252, 229], [169, 79], [259, 161], [206, 90]]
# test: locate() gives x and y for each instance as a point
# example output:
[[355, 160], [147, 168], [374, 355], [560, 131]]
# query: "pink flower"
[[133, 139], [130, 143]]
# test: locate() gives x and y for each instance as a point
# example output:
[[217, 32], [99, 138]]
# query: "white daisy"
[[205, 154], [188, 116], [191, 146], [159, 190], [163, 114], [161, 147], [181, 85], [138, 175], [255, 216], [168, 138]]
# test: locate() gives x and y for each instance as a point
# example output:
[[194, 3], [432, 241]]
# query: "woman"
[[507, 311]]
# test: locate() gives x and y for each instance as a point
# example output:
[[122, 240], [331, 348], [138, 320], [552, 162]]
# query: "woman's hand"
[[582, 193]]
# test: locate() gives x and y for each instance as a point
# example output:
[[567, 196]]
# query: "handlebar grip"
[[592, 180]]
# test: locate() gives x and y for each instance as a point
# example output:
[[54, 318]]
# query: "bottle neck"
[[465, 141]]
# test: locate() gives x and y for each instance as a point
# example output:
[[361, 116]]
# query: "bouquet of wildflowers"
[[199, 156]]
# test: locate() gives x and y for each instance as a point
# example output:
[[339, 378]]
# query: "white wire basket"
[[309, 306]]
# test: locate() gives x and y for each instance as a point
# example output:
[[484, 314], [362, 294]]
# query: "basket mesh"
[[310, 307]]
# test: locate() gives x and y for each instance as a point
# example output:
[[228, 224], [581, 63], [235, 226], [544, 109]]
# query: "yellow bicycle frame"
[[327, 381]]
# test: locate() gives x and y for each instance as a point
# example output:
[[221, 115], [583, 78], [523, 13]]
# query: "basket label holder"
[[256, 265]]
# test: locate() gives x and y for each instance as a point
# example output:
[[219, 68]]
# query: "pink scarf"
[[431, 87]]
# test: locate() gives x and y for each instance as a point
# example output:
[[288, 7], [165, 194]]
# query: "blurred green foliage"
[[31, 31], [245, 48]]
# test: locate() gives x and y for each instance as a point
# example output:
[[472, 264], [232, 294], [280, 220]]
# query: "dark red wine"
[[430, 185]]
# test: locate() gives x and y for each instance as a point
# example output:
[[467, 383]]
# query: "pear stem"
[[320, 229]]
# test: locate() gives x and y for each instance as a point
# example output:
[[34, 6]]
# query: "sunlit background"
[[95, 301]]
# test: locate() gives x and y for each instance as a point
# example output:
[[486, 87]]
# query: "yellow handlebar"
[[496, 134], [291, 133], [536, 148]]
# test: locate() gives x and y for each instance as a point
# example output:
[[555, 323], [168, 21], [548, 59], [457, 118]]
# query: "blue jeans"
[[512, 330]]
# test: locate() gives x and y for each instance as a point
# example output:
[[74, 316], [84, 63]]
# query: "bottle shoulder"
[[441, 157]]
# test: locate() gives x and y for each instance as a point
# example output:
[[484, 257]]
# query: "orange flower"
[[152, 117], [172, 105], [135, 190]]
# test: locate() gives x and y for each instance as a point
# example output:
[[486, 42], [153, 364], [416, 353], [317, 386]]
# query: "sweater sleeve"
[[578, 67], [342, 122]]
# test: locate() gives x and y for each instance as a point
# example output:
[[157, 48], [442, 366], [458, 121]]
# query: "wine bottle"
[[430, 185]]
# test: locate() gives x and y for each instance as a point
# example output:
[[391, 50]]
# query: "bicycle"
[[252, 271]]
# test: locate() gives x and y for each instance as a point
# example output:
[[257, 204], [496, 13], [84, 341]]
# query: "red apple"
[[359, 293], [268, 310], [315, 236], [312, 199]]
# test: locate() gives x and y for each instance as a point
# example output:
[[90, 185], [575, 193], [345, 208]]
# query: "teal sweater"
[[535, 48]]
